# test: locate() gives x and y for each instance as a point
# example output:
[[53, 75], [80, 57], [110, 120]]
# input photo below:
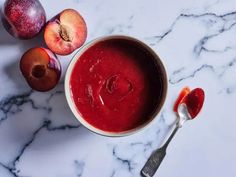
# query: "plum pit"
[[64, 34], [38, 71]]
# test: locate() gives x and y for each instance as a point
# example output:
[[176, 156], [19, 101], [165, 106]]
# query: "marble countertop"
[[39, 136]]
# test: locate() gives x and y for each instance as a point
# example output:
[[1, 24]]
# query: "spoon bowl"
[[183, 115]]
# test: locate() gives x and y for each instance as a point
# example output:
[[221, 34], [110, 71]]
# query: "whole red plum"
[[23, 19]]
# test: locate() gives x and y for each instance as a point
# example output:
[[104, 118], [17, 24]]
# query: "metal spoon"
[[158, 155], [183, 114]]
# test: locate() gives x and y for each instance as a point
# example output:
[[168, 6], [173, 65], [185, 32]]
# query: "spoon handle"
[[153, 163], [156, 158]]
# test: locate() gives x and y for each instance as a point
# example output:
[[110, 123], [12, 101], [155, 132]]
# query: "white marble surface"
[[39, 137]]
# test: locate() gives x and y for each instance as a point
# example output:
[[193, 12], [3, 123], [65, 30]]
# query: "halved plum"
[[66, 32], [41, 69]]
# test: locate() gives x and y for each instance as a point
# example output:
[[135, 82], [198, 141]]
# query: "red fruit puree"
[[116, 85], [194, 101]]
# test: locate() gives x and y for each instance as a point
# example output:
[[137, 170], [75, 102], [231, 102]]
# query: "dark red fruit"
[[23, 19], [40, 68]]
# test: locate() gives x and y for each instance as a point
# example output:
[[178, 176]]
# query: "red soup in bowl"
[[115, 85]]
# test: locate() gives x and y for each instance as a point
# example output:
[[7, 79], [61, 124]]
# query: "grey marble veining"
[[39, 136]]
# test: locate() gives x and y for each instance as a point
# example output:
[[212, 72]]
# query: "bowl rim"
[[70, 100]]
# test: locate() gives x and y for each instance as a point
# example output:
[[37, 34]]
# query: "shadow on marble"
[[5, 37], [12, 69], [13, 72], [37, 41], [44, 119]]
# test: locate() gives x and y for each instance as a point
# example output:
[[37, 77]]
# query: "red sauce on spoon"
[[182, 94], [193, 99]]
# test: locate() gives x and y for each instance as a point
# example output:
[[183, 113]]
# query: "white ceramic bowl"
[[71, 101]]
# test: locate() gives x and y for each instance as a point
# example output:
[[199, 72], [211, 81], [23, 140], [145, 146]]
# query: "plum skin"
[[23, 19]]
